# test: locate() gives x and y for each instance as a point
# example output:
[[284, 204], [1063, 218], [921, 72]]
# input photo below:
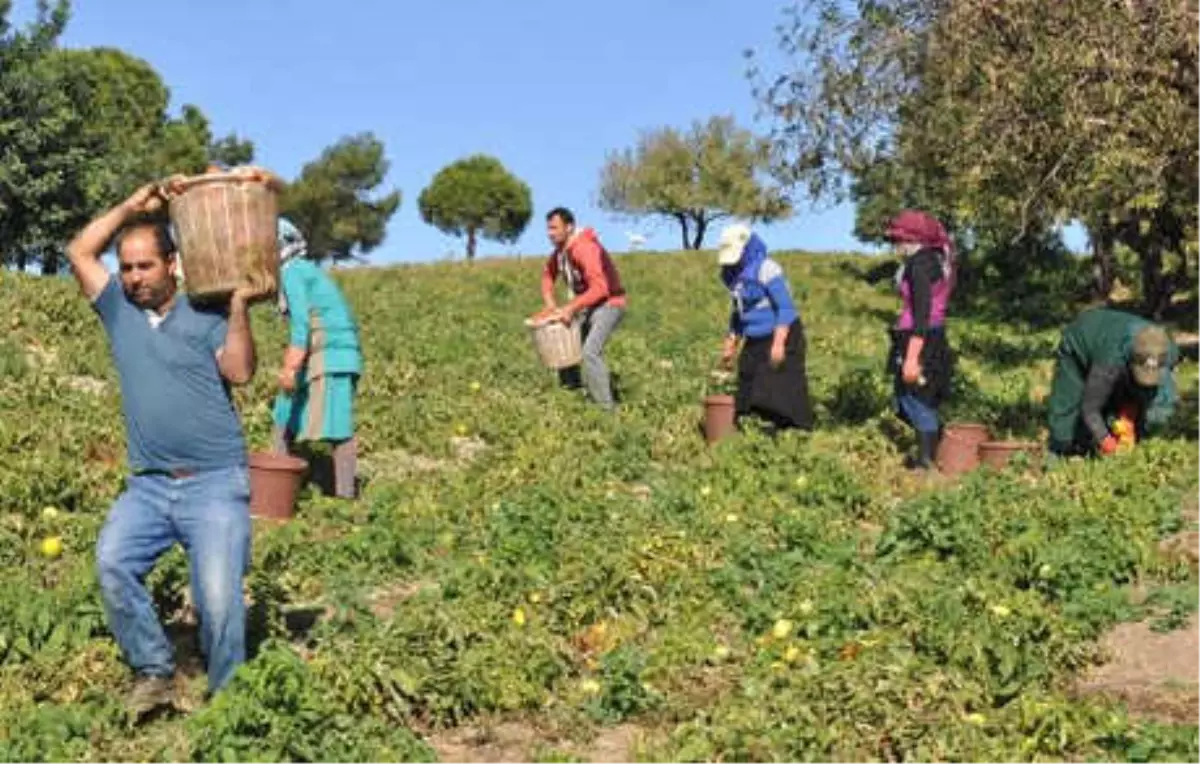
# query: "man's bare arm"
[[85, 249], [237, 360]]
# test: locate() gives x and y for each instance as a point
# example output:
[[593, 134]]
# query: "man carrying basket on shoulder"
[[190, 482], [598, 302]]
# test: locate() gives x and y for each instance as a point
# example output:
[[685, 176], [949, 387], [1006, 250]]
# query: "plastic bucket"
[[719, 417], [958, 450], [997, 453], [275, 481]]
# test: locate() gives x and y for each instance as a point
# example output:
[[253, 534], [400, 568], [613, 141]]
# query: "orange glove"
[[1109, 445]]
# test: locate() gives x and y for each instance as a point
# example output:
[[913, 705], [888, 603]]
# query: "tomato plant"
[[517, 552]]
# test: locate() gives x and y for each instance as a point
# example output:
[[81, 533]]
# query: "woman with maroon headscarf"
[[920, 357]]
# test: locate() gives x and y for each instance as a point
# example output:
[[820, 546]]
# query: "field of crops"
[[520, 558]]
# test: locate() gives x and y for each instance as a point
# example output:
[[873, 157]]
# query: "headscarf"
[[291, 244], [916, 227], [290, 241], [746, 269]]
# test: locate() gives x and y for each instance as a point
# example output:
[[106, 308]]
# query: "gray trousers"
[[597, 325], [345, 461]]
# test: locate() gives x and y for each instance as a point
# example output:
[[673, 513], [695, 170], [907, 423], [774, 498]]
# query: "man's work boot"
[[149, 695]]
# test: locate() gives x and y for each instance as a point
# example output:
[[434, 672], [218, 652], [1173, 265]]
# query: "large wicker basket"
[[225, 228], [558, 345]]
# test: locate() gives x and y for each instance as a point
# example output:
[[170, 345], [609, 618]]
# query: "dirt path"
[[1156, 675]]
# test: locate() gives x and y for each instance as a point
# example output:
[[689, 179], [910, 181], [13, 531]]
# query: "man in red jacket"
[[598, 300]]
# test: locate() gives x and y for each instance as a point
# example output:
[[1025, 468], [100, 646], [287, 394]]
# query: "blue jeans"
[[209, 514], [917, 413]]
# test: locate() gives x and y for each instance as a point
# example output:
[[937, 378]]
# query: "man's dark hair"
[[162, 236], [562, 213]]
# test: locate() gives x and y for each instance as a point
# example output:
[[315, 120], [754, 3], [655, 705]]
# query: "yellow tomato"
[[781, 629], [52, 546]]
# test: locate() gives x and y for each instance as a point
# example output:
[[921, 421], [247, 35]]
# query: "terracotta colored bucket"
[[274, 483], [719, 416], [997, 453], [958, 451]]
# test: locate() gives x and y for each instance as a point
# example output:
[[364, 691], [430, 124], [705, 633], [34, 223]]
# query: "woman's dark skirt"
[[779, 396], [937, 366]]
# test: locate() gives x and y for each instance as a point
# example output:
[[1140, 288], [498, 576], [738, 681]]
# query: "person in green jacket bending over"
[[322, 363], [1113, 379]]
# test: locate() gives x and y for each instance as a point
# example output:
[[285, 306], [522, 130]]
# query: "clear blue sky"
[[545, 86]]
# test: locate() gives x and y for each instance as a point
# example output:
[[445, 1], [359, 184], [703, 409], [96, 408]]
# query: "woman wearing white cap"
[[772, 381]]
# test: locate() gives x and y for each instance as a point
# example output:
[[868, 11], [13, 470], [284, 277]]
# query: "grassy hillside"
[[519, 556]]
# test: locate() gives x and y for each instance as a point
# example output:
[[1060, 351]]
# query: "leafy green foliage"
[[231, 151], [274, 710], [40, 161], [329, 202], [474, 197], [624, 693], [124, 126], [83, 128], [695, 178], [798, 598], [980, 114]]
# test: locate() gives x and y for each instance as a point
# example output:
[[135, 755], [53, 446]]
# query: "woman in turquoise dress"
[[322, 363]]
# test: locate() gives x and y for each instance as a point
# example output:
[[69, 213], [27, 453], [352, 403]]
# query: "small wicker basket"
[[558, 345], [225, 227]]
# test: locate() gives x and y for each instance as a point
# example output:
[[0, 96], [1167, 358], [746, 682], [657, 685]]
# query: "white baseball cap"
[[733, 240]]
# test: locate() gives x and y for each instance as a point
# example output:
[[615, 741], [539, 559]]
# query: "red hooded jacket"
[[588, 270]]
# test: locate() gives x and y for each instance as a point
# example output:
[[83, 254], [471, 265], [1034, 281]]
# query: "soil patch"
[[1154, 674], [87, 384], [1185, 545], [383, 602], [516, 741], [398, 462]]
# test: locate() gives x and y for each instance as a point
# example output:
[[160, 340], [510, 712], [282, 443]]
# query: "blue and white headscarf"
[[291, 245], [291, 242]]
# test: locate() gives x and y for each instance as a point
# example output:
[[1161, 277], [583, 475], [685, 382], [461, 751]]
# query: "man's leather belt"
[[177, 474]]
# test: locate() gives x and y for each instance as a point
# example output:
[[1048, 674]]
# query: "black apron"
[[779, 396], [937, 366]]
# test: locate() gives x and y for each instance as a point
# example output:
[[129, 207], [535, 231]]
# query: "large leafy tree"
[[331, 201], [79, 129], [714, 170], [121, 105], [979, 111], [477, 197], [125, 129], [40, 165]]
